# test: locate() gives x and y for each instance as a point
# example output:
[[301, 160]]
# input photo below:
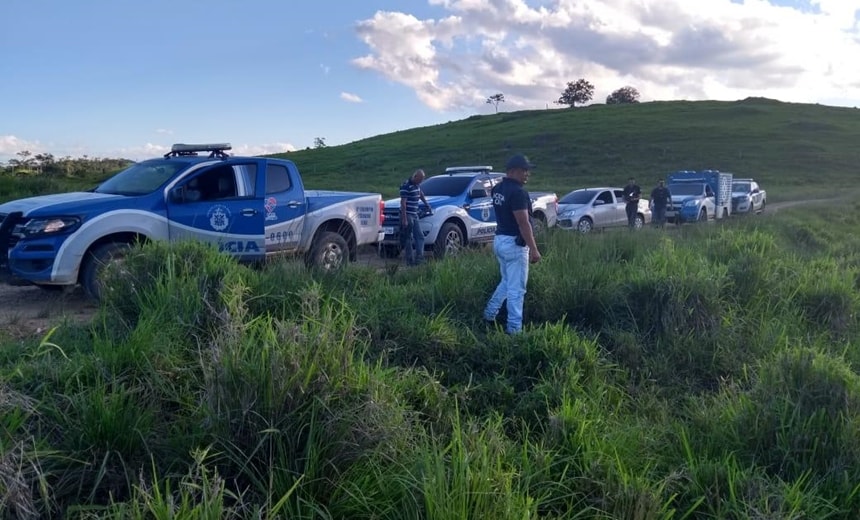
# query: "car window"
[[445, 185], [685, 189], [606, 197], [577, 197], [141, 178], [277, 179], [619, 195], [216, 183]]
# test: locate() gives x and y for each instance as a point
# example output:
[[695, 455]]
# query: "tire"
[[763, 204], [539, 224], [585, 225], [639, 221], [449, 242], [97, 261], [389, 251], [329, 252], [752, 209], [703, 215]]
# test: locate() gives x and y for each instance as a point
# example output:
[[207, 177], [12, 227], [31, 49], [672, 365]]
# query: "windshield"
[[578, 197], [741, 187], [686, 189], [445, 185], [141, 178]]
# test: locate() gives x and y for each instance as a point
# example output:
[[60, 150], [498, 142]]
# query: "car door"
[[755, 196], [619, 216], [479, 206], [219, 204], [285, 208]]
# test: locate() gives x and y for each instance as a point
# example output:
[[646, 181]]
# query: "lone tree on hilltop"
[[495, 99], [622, 96], [319, 142], [579, 92]]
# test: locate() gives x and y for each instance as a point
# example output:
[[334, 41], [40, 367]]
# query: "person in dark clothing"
[[514, 243], [660, 199], [632, 193]]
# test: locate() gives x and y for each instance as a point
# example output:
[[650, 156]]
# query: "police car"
[[462, 211], [249, 207]]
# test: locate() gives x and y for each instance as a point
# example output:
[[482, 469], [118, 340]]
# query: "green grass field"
[[701, 372]]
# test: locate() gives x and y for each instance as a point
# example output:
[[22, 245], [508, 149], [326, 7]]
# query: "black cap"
[[519, 161]]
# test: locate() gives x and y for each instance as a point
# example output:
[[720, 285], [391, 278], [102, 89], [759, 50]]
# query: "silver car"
[[598, 208]]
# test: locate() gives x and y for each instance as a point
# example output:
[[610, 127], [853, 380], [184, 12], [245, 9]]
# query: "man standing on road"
[[632, 192], [411, 236], [514, 243], [660, 199]]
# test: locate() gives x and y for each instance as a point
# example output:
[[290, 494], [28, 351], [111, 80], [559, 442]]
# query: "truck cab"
[[248, 207], [699, 196]]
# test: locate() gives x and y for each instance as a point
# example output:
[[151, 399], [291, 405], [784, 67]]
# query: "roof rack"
[[215, 150]]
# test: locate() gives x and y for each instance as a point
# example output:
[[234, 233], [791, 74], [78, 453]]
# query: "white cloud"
[[164, 131], [262, 149], [11, 145], [352, 98], [667, 49], [325, 69]]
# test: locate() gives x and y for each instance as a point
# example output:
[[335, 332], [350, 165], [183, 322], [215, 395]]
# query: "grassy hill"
[[792, 149]]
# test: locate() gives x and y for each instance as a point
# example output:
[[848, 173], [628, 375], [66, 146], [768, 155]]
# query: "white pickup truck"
[[249, 207], [462, 211]]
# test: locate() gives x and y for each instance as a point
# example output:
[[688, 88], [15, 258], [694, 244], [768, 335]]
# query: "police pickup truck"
[[249, 207], [462, 211]]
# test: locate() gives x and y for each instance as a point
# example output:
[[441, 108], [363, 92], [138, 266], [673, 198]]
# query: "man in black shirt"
[[660, 199], [514, 243], [632, 193]]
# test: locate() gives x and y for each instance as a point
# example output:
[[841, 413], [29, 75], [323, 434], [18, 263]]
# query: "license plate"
[[388, 230]]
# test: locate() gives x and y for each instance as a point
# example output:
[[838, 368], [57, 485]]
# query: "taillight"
[[381, 215]]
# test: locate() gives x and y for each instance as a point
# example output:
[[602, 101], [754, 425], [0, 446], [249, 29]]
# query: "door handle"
[[249, 212], [293, 204]]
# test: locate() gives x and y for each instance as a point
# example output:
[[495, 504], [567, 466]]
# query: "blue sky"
[[117, 78]]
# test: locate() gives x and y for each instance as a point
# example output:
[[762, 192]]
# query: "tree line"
[[580, 92], [27, 163]]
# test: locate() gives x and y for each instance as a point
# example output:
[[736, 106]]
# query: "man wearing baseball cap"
[[514, 243]]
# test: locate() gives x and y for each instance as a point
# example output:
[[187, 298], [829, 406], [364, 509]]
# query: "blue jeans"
[[412, 241], [514, 266]]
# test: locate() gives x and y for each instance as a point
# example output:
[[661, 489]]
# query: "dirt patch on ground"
[[28, 311]]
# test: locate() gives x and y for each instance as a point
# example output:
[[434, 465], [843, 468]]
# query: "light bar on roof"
[[468, 169], [191, 148]]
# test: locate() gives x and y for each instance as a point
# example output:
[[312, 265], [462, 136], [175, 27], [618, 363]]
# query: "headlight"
[[47, 226], [691, 203]]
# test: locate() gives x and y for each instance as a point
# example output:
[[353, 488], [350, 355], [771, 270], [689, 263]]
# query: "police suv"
[[249, 207], [462, 211]]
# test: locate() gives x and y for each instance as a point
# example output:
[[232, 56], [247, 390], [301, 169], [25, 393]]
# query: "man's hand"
[[534, 256], [403, 222]]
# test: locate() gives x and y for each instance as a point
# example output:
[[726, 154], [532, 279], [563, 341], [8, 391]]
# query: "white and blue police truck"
[[249, 207], [461, 212]]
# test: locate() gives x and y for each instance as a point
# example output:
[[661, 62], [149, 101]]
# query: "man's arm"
[[525, 226]]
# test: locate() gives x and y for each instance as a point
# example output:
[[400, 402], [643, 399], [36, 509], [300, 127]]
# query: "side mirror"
[[598, 202]]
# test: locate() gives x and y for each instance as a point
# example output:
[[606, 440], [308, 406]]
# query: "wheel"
[[97, 261], [585, 225], [751, 211], [329, 252], [638, 221], [539, 224], [763, 204], [449, 242], [389, 251], [703, 215]]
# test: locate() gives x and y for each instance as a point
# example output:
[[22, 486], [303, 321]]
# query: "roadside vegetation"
[[700, 372]]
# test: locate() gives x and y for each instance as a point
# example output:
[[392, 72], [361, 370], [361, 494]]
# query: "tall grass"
[[701, 372]]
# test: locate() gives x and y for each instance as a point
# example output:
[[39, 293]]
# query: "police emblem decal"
[[219, 217]]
